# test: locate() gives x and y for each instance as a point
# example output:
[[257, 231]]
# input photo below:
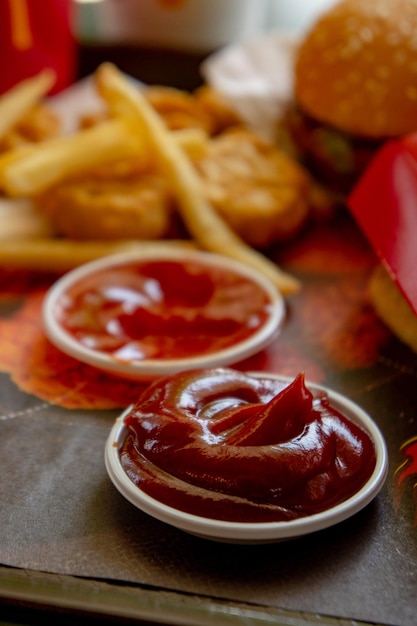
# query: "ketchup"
[[163, 309], [223, 444]]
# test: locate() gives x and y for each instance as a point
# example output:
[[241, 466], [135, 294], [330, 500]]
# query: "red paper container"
[[384, 203], [35, 35]]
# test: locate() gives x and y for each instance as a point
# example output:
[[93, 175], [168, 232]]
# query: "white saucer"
[[150, 368], [263, 532]]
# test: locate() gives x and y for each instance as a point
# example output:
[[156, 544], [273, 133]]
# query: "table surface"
[[71, 546]]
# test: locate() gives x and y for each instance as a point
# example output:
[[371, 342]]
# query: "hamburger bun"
[[356, 68], [355, 86]]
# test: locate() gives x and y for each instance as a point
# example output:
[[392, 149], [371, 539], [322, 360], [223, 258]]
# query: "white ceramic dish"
[[150, 368], [264, 532]]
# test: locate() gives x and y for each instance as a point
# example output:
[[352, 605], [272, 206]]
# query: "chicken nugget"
[[179, 109], [216, 105], [261, 192], [109, 209]]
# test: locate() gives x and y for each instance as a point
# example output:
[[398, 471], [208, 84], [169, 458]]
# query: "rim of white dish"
[[148, 368], [255, 532]]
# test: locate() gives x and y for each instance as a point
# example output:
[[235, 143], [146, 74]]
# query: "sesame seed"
[[406, 28], [366, 34], [382, 11], [352, 24], [411, 93]]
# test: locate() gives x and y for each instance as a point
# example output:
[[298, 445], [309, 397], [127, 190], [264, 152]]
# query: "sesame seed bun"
[[356, 68]]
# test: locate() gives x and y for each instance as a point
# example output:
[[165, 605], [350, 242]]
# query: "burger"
[[355, 87]]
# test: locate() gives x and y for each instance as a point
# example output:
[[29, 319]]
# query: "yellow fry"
[[29, 170], [201, 219], [18, 100], [61, 255], [19, 220], [15, 154], [192, 140], [35, 168]]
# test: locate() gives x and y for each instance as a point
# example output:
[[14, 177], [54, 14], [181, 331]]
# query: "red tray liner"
[[384, 203]]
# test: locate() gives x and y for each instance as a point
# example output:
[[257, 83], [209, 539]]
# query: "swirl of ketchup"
[[227, 445]]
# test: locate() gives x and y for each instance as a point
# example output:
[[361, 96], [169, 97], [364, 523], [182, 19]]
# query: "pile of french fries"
[[134, 128]]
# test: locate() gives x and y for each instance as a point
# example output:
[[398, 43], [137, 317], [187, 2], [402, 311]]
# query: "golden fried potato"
[[38, 124], [24, 116], [29, 170], [60, 255], [259, 191], [17, 101]]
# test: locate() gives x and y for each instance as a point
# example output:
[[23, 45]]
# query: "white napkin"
[[256, 77]]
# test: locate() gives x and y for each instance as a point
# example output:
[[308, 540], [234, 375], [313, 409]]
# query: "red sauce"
[[163, 309], [226, 445]]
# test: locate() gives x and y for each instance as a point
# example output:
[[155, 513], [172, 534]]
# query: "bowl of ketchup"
[[148, 314], [245, 457]]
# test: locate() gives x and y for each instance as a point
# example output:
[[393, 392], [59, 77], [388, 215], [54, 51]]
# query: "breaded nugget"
[[258, 190], [216, 105], [206, 108], [110, 209], [179, 109]]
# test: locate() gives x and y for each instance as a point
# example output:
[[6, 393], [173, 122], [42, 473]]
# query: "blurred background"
[[158, 41], [199, 25], [189, 29]]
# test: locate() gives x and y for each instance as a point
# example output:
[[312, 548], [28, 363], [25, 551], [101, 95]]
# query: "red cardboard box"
[[384, 203], [36, 34]]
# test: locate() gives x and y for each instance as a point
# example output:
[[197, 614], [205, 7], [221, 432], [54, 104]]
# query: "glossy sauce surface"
[[226, 445], [163, 309]]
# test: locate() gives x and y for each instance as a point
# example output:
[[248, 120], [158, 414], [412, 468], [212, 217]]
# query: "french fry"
[[18, 100], [19, 220], [30, 170], [61, 255], [202, 221]]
